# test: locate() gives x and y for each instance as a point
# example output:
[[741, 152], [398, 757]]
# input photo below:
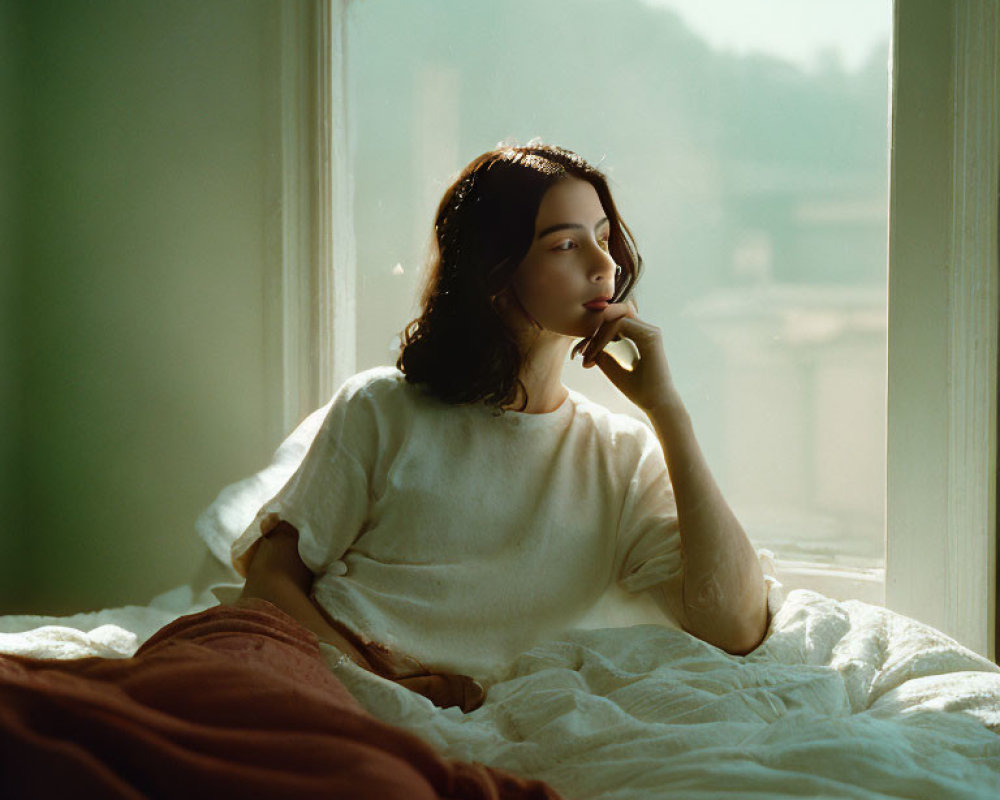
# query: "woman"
[[456, 509]]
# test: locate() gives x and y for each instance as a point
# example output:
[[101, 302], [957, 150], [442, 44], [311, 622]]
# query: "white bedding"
[[843, 699]]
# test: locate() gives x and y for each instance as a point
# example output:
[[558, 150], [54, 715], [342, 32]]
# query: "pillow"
[[236, 505]]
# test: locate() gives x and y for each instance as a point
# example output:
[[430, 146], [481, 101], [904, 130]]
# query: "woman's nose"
[[602, 269]]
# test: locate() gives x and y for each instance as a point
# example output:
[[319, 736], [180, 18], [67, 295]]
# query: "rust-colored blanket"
[[230, 702]]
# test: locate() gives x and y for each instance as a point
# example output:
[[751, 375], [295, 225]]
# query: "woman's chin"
[[576, 331], [574, 328]]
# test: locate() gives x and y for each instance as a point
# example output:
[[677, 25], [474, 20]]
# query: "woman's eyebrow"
[[573, 225]]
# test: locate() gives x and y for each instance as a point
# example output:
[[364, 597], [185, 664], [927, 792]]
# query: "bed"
[[843, 699]]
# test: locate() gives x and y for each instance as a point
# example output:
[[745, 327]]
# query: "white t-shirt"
[[461, 538]]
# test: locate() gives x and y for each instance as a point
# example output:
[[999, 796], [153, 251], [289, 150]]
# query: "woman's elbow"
[[749, 636]]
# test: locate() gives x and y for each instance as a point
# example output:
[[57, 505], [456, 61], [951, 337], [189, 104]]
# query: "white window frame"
[[313, 304], [941, 558]]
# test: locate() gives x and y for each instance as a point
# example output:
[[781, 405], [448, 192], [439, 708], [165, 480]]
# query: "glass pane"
[[746, 145]]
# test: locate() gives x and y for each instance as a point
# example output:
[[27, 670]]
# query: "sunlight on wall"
[[139, 391]]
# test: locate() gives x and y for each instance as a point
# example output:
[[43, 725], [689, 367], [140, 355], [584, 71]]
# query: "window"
[[755, 180], [755, 176]]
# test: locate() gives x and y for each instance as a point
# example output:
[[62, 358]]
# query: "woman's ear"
[[511, 310], [502, 300]]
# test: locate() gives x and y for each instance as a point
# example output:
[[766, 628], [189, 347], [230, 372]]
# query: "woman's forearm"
[[442, 689], [290, 598], [725, 598]]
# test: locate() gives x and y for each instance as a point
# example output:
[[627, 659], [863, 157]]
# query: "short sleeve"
[[648, 548], [326, 499]]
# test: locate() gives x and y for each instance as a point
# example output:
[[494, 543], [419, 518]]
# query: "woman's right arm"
[[276, 573]]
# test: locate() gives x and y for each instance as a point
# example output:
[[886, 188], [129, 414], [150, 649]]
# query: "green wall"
[[141, 160]]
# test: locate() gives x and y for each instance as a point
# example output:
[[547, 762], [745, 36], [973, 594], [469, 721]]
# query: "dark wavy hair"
[[459, 346]]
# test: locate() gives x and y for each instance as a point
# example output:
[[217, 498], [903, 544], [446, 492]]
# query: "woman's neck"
[[541, 374], [540, 401]]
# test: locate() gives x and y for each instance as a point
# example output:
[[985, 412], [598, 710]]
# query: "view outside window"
[[747, 147]]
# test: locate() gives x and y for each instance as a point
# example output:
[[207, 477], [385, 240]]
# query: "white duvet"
[[842, 700]]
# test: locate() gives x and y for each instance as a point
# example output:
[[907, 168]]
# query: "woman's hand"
[[446, 689], [649, 383]]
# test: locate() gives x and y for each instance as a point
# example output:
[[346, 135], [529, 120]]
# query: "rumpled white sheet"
[[842, 700], [108, 633]]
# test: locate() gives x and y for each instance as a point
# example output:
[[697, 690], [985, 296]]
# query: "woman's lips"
[[596, 305]]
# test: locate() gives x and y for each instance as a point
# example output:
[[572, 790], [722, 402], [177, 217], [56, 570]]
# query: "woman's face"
[[568, 264]]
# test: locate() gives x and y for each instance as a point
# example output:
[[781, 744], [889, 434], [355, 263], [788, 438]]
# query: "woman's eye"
[[604, 242]]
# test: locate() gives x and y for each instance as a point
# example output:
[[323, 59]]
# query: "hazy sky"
[[796, 30]]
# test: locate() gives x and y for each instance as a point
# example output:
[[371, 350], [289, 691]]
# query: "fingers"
[[597, 344], [608, 332], [619, 310], [615, 316]]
